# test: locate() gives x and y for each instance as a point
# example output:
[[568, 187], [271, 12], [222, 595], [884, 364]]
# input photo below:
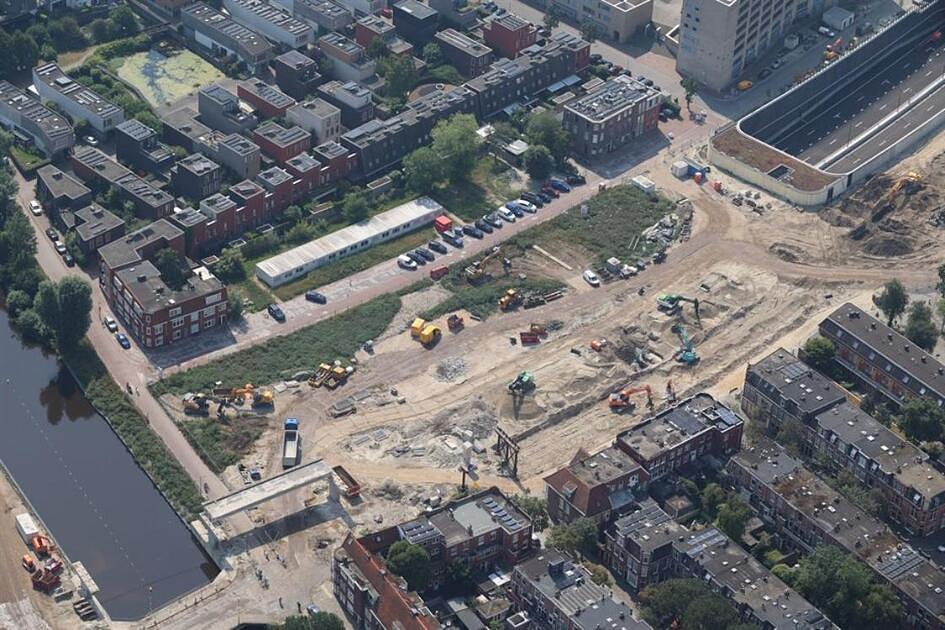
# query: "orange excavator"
[[621, 400]]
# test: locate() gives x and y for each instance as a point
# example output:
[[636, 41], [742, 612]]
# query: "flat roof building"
[[509, 35], [415, 22], [269, 101], [137, 145], [296, 74], [372, 27], [277, 24], [94, 227], [719, 38], [321, 14], [94, 166], [219, 35], [352, 99], [75, 99], [220, 109], [617, 20], [297, 262], [181, 128], [467, 55], [806, 512], [32, 121], [318, 117], [60, 192], [196, 177], [612, 116], [348, 60], [281, 143], [241, 155]]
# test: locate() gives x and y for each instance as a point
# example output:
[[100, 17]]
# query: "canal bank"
[[88, 489]]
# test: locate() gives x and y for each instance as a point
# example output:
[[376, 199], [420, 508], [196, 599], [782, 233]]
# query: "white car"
[[527, 206], [591, 278], [404, 262], [506, 214], [110, 324], [92, 141], [36, 208]]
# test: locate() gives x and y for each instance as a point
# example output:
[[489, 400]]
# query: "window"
[[174, 312]]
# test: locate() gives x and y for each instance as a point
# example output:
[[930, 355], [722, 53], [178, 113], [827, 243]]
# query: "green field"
[[162, 79]]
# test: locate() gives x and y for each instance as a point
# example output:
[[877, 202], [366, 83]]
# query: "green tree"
[[784, 573], [456, 143], [8, 60], [18, 301], [301, 232], [733, 515], [712, 497], [536, 508], [148, 118], [318, 621], [39, 33], [169, 263], [401, 76], [423, 169], [708, 612], [819, 353], [791, 436], [545, 129], [234, 304], [377, 48], [410, 562], [551, 18], [355, 207], [25, 51], [100, 30], [65, 309], [668, 601], [590, 31], [293, 214], [538, 162], [921, 420], [446, 74], [6, 141], [432, 54], [46, 305], [123, 20], [940, 286], [31, 325], [599, 574], [229, 267], [893, 300], [690, 87], [919, 327], [65, 34], [577, 537]]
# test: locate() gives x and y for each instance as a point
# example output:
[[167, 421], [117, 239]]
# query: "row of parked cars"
[[528, 203]]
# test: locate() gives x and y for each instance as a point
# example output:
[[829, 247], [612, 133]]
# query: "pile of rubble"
[[663, 231], [451, 369]]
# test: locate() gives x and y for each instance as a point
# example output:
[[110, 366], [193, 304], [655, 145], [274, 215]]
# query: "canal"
[[99, 505]]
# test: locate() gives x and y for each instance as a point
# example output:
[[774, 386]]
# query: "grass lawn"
[[25, 160], [134, 430], [353, 264], [491, 184], [252, 290], [222, 444], [335, 338], [615, 217], [166, 79]]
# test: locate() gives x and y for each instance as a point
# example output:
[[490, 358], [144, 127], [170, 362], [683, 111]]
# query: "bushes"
[[335, 338]]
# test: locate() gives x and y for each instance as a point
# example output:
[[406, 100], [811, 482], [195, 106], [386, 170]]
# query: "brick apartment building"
[[638, 547], [94, 227], [483, 531], [805, 512], [553, 593], [509, 34], [268, 101], [154, 313], [594, 486], [251, 207], [881, 358], [679, 435], [281, 143], [372, 27], [280, 189], [306, 171], [347, 59], [337, 162], [612, 116], [781, 388]]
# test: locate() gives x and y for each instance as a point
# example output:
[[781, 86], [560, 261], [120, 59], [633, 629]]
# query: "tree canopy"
[[355, 206], [538, 161], [920, 329], [171, 266], [893, 300], [535, 507], [65, 309], [733, 515], [577, 537], [545, 129], [318, 621], [690, 603], [921, 420], [819, 353], [410, 562]]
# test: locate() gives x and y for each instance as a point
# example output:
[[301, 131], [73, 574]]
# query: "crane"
[[621, 400], [686, 353], [476, 272]]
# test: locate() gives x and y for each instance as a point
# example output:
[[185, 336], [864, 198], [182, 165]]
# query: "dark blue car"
[[123, 340]]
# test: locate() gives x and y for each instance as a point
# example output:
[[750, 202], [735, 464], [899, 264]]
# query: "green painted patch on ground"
[[281, 357], [27, 161], [164, 79]]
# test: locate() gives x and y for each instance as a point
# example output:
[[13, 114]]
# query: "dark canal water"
[[101, 507]]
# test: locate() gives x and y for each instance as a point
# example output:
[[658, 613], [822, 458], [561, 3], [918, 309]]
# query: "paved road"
[[125, 366]]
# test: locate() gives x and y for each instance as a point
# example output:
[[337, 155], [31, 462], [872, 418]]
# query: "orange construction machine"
[[621, 400]]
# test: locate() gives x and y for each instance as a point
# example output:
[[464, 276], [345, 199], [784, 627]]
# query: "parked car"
[[123, 340], [110, 324], [276, 313], [764, 74], [533, 198], [426, 253], [471, 230], [545, 197], [417, 258], [36, 208], [596, 58], [507, 215], [438, 247], [61, 248], [404, 262], [454, 237], [492, 220], [547, 189], [591, 278], [577, 180], [315, 296], [527, 206], [559, 184], [515, 208], [485, 227], [92, 141], [52, 234]]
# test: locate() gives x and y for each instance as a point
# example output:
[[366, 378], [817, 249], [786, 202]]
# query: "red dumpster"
[[438, 272], [442, 223]]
